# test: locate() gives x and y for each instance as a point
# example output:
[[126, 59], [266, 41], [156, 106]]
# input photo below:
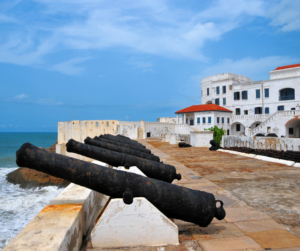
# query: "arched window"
[[287, 94]]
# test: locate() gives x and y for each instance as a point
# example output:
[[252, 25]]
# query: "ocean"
[[19, 206]]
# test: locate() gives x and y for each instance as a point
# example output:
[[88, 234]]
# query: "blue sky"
[[131, 60]]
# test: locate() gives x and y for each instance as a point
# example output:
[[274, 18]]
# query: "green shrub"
[[218, 133]]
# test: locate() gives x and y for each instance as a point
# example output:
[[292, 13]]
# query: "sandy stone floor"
[[269, 187], [261, 199]]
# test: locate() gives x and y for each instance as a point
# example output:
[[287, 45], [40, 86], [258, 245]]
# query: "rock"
[[29, 178]]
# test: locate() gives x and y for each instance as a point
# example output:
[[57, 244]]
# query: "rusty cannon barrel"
[[152, 169], [137, 148], [174, 201], [120, 149], [119, 139]]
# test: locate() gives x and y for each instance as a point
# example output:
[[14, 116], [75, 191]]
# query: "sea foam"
[[19, 206]]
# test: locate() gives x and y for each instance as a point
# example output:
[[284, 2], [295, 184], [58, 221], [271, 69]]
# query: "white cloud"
[[285, 14], [69, 67], [21, 96], [7, 19], [250, 67]]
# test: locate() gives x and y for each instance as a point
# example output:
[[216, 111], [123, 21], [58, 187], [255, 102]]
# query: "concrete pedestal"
[[172, 139], [167, 138], [202, 138], [137, 224]]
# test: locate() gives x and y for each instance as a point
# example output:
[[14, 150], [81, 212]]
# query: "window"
[[218, 90], [218, 120], [291, 130], [280, 108], [238, 127], [209, 120], [293, 109], [287, 94], [228, 120], [224, 88], [236, 95], [191, 122], [258, 110], [267, 110], [269, 129], [258, 93], [187, 121], [245, 112], [198, 120], [228, 132], [222, 120], [237, 111], [224, 101], [266, 93], [203, 120], [244, 94], [207, 91], [217, 101]]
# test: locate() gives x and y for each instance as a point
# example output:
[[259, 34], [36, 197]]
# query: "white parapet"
[[137, 224], [202, 138]]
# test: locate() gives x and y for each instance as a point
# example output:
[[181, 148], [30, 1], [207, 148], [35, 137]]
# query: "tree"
[[218, 133]]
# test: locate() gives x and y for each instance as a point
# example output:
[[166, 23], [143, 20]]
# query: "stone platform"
[[261, 199]]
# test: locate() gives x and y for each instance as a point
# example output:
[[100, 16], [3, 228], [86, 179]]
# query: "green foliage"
[[218, 133]]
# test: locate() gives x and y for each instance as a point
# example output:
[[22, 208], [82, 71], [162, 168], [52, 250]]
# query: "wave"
[[19, 206]]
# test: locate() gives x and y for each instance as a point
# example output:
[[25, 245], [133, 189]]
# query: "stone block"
[[274, 239], [137, 224], [172, 139], [258, 226], [230, 244], [244, 214]]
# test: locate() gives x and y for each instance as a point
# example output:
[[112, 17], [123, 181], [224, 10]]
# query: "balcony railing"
[[286, 97]]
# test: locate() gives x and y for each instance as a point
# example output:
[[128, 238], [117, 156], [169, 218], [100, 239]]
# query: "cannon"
[[120, 149], [124, 137], [150, 168], [119, 139], [137, 148], [214, 145], [174, 201], [183, 144]]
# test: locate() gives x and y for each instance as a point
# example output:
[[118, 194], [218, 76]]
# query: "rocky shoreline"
[[29, 178]]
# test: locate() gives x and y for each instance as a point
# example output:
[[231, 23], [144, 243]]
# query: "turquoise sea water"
[[19, 206]]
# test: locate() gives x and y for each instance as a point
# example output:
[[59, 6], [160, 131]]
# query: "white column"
[[184, 118], [177, 118]]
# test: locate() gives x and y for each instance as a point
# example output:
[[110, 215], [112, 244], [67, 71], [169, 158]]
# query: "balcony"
[[286, 97], [256, 117]]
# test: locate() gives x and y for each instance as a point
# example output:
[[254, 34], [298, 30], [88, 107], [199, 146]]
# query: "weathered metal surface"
[[183, 144], [214, 145], [174, 201], [120, 149], [122, 136], [122, 140], [150, 168], [137, 148]]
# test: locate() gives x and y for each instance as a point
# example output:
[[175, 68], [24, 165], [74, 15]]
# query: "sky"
[[130, 60]]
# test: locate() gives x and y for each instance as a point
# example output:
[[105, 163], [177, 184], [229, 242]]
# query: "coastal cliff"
[[29, 178]]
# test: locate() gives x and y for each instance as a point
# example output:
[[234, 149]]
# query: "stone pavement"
[[244, 227]]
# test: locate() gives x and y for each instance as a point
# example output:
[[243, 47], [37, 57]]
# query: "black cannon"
[[183, 144], [124, 137], [174, 201], [137, 148], [150, 168], [120, 149], [214, 145], [119, 139]]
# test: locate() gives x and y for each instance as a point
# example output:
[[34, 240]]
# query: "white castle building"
[[251, 107]]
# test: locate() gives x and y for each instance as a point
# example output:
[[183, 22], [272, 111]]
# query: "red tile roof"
[[287, 66], [203, 108]]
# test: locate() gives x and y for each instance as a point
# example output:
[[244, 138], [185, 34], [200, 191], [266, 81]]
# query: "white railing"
[[274, 116], [257, 117], [285, 144]]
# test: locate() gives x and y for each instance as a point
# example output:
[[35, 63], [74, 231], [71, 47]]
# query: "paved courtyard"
[[261, 199]]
